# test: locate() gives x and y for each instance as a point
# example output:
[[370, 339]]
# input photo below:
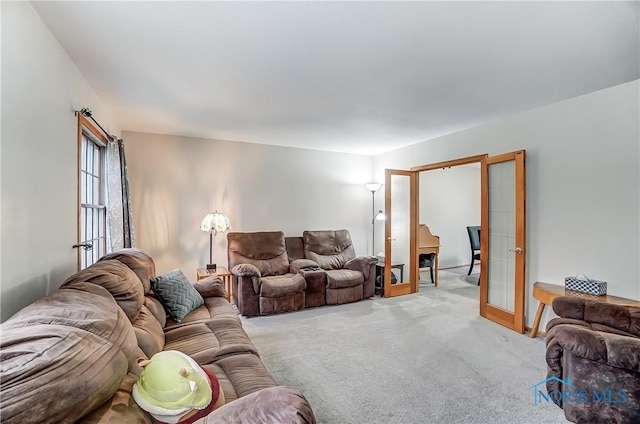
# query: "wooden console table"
[[545, 293]]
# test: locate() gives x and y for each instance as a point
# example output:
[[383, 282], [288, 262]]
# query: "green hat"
[[171, 385]]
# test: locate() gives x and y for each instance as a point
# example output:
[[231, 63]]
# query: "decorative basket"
[[585, 285]]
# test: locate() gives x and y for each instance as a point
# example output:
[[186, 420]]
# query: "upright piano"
[[428, 243]]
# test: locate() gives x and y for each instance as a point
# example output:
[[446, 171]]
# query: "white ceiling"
[[360, 77]]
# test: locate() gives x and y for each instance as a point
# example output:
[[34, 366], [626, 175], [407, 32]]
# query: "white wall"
[[449, 202], [176, 181], [40, 89], [583, 184], [583, 172]]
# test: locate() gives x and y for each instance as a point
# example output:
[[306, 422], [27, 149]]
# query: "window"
[[92, 216]]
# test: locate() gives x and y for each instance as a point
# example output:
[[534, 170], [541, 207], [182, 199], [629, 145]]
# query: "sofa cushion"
[[329, 249], [138, 261], [206, 341], [602, 316], [265, 250], [176, 293], [123, 284], [342, 278], [282, 285], [213, 307], [240, 375], [148, 332], [156, 308], [120, 408], [64, 355], [295, 247]]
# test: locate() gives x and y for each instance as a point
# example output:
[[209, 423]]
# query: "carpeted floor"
[[423, 358]]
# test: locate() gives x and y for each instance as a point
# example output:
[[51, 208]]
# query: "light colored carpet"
[[423, 358]]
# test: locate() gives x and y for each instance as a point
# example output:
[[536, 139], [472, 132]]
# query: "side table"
[[380, 272], [221, 272]]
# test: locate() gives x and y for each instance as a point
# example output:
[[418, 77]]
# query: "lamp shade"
[[373, 187], [215, 222], [380, 216]]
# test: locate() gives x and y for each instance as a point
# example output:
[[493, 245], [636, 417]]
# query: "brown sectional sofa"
[[72, 356], [273, 273]]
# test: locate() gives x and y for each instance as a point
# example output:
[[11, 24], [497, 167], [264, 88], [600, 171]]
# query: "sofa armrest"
[[615, 316], [277, 404], [364, 264], [211, 286], [299, 264]]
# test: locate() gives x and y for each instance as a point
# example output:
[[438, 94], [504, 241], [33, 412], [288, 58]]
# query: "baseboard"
[[454, 266]]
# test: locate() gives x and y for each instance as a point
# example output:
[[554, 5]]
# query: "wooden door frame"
[[448, 164]]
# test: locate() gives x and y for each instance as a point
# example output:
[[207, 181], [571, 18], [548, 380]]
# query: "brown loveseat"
[[72, 356], [273, 273], [593, 357]]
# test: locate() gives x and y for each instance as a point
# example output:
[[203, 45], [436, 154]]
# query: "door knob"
[[390, 239], [517, 250]]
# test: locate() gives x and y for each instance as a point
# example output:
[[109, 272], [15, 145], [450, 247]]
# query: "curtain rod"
[[86, 112]]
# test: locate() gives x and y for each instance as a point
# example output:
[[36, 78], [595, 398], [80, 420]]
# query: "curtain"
[[119, 211]]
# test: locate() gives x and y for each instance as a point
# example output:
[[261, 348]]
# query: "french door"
[[502, 239], [502, 234], [400, 231]]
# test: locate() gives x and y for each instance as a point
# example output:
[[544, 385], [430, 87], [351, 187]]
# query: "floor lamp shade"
[[373, 187], [214, 223]]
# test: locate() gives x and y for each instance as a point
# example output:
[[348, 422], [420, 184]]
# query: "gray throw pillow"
[[176, 293]]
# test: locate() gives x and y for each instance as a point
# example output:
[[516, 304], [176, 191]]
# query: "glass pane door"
[[400, 266], [503, 240], [502, 235]]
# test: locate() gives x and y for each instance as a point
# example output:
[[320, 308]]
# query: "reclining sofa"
[[273, 273], [73, 355], [593, 358]]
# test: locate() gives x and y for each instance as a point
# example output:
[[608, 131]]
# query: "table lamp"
[[214, 223]]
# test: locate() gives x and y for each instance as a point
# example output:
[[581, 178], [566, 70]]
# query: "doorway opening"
[[449, 216], [449, 201]]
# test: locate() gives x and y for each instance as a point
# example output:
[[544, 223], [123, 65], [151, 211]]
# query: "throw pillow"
[[176, 294]]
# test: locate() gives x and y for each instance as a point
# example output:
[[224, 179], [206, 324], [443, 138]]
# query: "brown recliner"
[[593, 358], [263, 281], [349, 277]]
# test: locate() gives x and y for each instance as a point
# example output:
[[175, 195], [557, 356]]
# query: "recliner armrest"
[[612, 349], [245, 270], [300, 264], [362, 264]]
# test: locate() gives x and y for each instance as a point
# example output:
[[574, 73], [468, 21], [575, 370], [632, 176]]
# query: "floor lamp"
[[373, 187]]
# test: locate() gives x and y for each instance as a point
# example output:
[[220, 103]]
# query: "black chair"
[[474, 241], [425, 260]]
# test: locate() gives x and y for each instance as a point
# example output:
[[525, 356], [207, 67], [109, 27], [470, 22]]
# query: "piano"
[[428, 243]]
